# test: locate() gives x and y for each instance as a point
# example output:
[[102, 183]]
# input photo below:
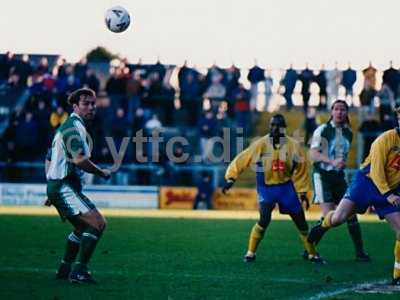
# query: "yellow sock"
[[396, 270], [256, 235], [326, 223], [310, 248]]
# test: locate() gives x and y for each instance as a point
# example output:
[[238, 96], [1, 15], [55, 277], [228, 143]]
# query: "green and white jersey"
[[70, 140], [334, 142]]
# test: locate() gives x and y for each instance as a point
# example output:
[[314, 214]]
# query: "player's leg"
[[354, 229], [326, 207], [338, 190], [323, 196], [289, 203], [394, 220], [310, 252], [71, 248], [345, 210], [63, 201], [91, 234], [258, 230]]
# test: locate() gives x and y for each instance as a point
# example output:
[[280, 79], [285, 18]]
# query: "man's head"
[[277, 126], [339, 112], [83, 102]]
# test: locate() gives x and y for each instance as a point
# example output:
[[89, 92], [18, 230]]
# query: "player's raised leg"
[[344, 211]]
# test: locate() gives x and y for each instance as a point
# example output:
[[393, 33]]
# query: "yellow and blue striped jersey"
[[383, 162], [288, 161]]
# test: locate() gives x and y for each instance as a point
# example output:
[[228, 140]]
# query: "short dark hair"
[[75, 96], [279, 119], [340, 101]]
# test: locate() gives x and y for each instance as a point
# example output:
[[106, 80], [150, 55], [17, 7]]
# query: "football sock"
[[301, 224], [355, 232], [256, 235], [310, 248], [72, 248], [396, 270], [322, 231], [89, 241], [326, 223]]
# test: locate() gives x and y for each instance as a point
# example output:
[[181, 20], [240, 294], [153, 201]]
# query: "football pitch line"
[[162, 274], [380, 286], [169, 213], [375, 287]]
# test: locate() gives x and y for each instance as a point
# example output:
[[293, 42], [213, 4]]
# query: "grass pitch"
[[174, 258]]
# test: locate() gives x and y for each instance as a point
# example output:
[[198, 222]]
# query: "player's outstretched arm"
[[87, 165]]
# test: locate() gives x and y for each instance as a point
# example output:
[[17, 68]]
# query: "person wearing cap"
[[330, 146], [377, 184], [281, 173]]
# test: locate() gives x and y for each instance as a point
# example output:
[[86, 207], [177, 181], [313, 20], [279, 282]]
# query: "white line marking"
[[324, 295], [187, 275]]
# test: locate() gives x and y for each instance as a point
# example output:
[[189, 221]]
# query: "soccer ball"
[[117, 19]]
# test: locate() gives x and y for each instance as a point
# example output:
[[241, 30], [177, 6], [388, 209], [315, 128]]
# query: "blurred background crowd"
[[195, 103]]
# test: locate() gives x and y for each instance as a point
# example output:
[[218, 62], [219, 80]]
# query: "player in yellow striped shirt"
[[281, 172]]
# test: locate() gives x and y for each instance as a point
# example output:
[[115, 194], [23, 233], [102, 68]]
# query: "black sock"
[[72, 248], [89, 241], [355, 232], [321, 231]]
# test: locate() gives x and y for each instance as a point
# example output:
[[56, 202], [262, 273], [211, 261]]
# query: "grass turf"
[[148, 258]]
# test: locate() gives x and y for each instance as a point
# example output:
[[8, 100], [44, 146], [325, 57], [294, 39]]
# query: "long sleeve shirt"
[[383, 162], [278, 165]]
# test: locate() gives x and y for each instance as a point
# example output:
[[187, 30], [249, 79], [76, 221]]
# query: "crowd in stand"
[[135, 97]]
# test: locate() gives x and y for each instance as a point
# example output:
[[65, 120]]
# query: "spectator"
[[190, 96], [42, 116], [306, 77], [116, 89], [80, 69], [24, 69], [91, 80], [205, 192], [367, 96], [255, 76], [27, 134], [348, 79], [289, 82], [268, 83], [320, 80], [58, 117], [391, 77], [216, 91], [370, 77], [370, 129], [242, 107], [119, 127], [134, 91], [6, 63], [207, 130], [386, 100], [231, 81], [333, 80]]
